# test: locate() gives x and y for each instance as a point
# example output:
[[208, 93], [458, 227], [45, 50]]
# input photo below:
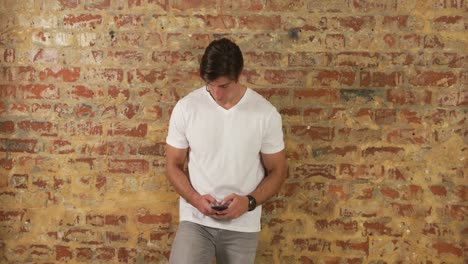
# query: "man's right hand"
[[203, 204]]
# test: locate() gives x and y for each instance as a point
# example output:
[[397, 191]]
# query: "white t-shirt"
[[225, 148]]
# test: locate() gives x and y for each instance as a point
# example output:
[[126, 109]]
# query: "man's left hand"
[[238, 205]]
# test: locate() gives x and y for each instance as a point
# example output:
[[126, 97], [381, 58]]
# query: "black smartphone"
[[220, 207]]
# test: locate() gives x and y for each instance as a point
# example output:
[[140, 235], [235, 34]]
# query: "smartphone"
[[220, 207]]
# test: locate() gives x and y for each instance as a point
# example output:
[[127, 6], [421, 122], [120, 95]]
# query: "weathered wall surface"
[[373, 96]]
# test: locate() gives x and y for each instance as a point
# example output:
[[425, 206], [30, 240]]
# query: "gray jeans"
[[199, 244]]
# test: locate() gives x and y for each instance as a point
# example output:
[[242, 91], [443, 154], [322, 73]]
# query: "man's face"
[[223, 90]]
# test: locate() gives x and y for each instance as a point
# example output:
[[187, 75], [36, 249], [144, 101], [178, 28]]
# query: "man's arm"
[[175, 160], [275, 165]]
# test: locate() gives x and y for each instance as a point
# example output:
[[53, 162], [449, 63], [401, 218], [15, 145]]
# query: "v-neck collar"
[[241, 100]]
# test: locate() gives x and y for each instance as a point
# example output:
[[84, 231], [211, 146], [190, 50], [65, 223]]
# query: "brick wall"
[[373, 96]]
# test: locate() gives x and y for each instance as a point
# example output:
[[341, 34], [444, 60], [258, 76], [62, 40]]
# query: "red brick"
[[360, 171], [128, 20], [114, 237], [334, 78], [432, 41], [312, 244], [37, 126], [450, 23], [83, 254], [128, 166], [155, 218], [398, 58], [63, 253], [8, 91], [358, 246], [260, 22], [7, 127], [106, 254], [7, 215], [460, 191], [431, 78], [81, 91], [456, 212], [450, 59], [353, 23], [453, 98], [409, 136], [335, 41], [216, 22], [285, 78], [378, 227], [83, 111], [83, 21], [322, 95], [369, 5], [314, 170], [381, 79], [412, 192], [20, 73], [447, 248], [338, 151], [399, 22], [62, 147], [19, 181], [103, 75], [64, 74], [9, 55], [120, 129], [409, 97], [116, 92], [106, 148], [357, 59], [6, 163], [385, 116], [18, 145], [146, 76], [305, 59], [115, 220], [390, 192], [346, 226], [410, 41], [131, 110], [101, 182], [126, 56], [82, 128], [126, 255], [375, 150], [39, 91], [156, 149]]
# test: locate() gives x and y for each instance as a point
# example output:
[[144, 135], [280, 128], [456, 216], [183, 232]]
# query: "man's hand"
[[203, 204], [238, 205]]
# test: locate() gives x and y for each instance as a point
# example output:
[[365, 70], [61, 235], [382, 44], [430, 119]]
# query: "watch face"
[[252, 203]]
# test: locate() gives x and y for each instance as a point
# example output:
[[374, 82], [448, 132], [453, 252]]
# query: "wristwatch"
[[252, 202]]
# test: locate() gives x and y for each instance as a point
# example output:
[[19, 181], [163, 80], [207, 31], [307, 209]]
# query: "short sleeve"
[[273, 137], [176, 135]]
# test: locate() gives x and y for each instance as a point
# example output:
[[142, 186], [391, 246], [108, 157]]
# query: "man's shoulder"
[[192, 97], [260, 101]]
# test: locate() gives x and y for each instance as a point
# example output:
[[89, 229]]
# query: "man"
[[233, 142]]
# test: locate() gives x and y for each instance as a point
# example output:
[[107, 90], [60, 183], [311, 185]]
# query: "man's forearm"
[[270, 185], [181, 183]]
